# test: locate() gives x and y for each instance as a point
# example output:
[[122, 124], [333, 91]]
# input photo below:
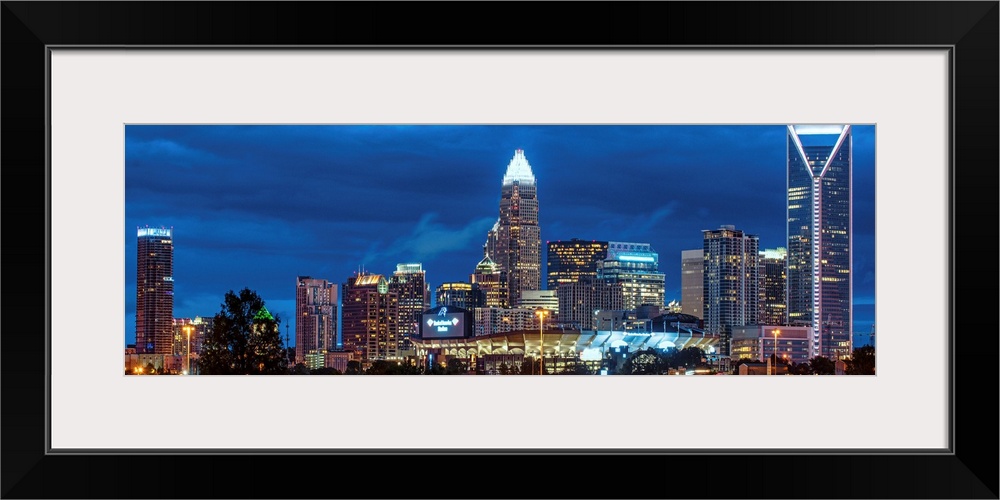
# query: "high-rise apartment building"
[[409, 282], [570, 261], [515, 243], [730, 282], [820, 235], [693, 282], [315, 317], [772, 304], [154, 297], [635, 267], [370, 312]]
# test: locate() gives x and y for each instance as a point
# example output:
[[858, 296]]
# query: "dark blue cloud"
[[257, 206]]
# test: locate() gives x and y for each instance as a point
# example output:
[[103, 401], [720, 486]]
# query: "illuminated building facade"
[[730, 282], [409, 282], [492, 283], [370, 313], [579, 301], [819, 236], [772, 306], [459, 294], [570, 261], [544, 299], [154, 298], [516, 243], [315, 318], [199, 328], [693, 282], [635, 267], [758, 342], [491, 320]]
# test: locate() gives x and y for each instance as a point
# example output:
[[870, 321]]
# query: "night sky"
[[257, 206]]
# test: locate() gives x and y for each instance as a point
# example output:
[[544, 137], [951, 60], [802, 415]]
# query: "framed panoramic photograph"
[[346, 250]]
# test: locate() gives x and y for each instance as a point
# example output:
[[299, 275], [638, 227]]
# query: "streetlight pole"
[[776, 333], [187, 329], [541, 342]]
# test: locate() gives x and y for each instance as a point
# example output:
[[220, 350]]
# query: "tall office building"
[[580, 301], [191, 332], [459, 294], [370, 313], [569, 261], [772, 306], [492, 283], [693, 282], [154, 297], [516, 241], [409, 282], [730, 282], [315, 317], [635, 267], [820, 235]]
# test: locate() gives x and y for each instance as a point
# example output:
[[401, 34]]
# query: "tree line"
[[245, 340]]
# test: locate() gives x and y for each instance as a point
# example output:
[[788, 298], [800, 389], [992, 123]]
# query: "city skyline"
[[257, 206]]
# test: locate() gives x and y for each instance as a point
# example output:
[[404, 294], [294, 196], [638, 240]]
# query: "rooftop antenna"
[[288, 351]]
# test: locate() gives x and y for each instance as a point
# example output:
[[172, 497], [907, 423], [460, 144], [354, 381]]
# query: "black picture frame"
[[970, 29]]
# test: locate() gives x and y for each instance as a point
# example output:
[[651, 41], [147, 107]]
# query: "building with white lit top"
[[409, 282], [515, 243], [370, 314], [820, 235], [635, 267], [154, 297], [772, 303]]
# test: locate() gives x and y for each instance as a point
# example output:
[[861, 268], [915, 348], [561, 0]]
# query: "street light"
[[776, 333], [541, 343], [187, 329]]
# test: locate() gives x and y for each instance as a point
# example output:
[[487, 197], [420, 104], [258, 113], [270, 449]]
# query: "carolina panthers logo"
[[443, 311]]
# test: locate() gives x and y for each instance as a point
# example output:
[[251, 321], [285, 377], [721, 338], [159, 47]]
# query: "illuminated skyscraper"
[[409, 282], [693, 282], [518, 242], [820, 235], [773, 304], [198, 328], [730, 282], [315, 317], [370, 313], [154, 297], [492, 283], [459, 294], [635, 267], [570, 261]]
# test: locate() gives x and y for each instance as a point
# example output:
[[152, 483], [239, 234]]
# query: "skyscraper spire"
[[518, 170]]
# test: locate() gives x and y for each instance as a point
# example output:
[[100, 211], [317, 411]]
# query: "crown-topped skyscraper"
[[820, 236], [515, 242]]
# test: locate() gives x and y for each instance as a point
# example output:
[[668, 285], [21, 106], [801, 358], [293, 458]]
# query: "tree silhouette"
[[862, 361], [822, 366], [244, 339], [644, 362]]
